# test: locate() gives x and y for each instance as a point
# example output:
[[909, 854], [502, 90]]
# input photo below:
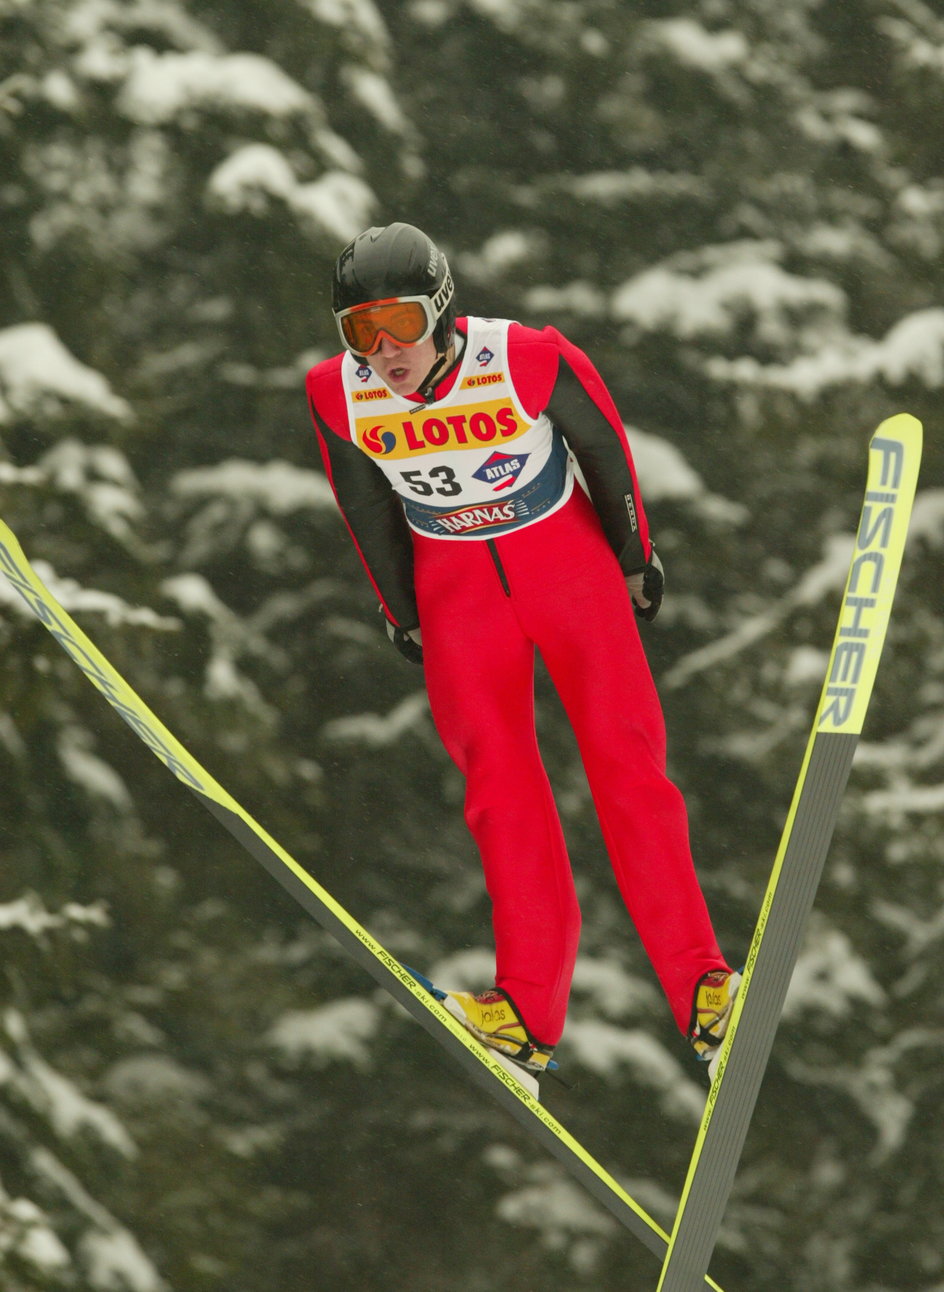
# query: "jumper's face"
[[402, 368]]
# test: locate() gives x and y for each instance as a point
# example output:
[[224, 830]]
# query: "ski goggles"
[[404, 320]]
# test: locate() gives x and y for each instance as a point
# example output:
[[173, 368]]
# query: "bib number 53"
[[447, 486]]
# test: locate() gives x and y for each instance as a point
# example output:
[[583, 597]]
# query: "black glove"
[[646, 587], [409, 644]]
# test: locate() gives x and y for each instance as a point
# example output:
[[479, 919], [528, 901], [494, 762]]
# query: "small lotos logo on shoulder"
[[481, 379], [501, 470], [484, 357], [363, 396]]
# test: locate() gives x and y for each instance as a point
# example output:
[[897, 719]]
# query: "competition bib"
[[474, 463]]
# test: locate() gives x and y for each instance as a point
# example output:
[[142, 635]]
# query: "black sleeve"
[[374, 515], [603, 461]]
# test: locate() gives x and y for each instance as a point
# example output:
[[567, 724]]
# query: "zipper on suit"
[[496, 560]]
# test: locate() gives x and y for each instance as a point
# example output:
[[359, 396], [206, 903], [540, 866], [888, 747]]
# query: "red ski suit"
[[543, 567]]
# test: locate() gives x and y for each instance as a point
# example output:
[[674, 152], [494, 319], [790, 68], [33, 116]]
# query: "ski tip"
[[902, 426]]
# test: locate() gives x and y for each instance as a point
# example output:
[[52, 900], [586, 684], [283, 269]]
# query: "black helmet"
[[397, 260]]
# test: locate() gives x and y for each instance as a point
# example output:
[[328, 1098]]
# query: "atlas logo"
[[484, 357], [379, 441], [501, 470]]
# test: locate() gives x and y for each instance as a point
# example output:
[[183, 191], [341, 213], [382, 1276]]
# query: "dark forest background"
[[738, 210]]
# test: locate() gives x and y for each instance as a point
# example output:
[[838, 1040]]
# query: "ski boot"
[[493, 1020], [491, 1016], [715, 995]]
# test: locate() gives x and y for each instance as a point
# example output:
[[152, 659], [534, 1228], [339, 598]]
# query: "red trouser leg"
[[568, 597], [588, 636], [480, 677]]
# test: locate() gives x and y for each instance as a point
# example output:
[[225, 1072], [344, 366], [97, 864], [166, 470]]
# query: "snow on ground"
[[605, 1048], [57, 1099], [29, 914], [377, 730], [578, 298], [605, 987], [896, 803], [927, 517], [102, 478], [113, 1259], [91, 24], [26, 1233], [707, 295], [249, 176], [376, 96], [337, 203], [276, 487], [500, 254], [828, 574], [85, 768], [912, 349], [557, 1209], [195, 595], [160, 86], [38, 375], [507, 15], [339, 1031], [611, 187], [830, 976], [469, 970], [78, 600], [153, 1079], [110, 1256], [361, 17], [664, 474], [694, 46], [223, 679]]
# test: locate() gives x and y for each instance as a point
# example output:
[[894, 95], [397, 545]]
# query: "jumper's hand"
[[408, 643], [646, 587]]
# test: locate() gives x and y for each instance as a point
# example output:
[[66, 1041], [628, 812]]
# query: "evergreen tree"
[[737, 210]]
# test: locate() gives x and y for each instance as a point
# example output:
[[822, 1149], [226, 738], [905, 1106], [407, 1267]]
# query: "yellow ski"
[[894, 458], [384, 968]]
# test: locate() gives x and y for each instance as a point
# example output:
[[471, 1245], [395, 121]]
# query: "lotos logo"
[[362, 396], [484, 357], [463, 428], [377, 440], [481, 379]]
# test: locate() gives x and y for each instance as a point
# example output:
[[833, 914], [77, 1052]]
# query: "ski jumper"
[[470, 523]]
